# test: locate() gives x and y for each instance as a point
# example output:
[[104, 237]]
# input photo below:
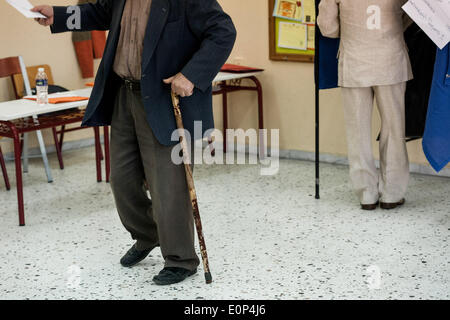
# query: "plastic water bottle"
[[41, 87]]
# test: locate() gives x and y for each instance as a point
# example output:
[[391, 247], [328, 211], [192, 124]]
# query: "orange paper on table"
[[89, 84], [62, 99]]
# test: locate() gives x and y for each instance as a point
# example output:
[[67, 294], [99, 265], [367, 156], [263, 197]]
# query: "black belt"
[[133, 85]]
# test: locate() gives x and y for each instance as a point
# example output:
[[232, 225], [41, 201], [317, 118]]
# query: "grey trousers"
[[136, 156], [391, 183]]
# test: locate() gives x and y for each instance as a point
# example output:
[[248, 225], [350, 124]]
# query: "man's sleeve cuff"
[[59, 20], [194, 77]]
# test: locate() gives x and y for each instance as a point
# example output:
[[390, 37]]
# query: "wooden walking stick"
[[191, 187]]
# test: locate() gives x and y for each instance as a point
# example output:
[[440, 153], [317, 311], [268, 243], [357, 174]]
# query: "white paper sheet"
[[24, 7], [433, 17]]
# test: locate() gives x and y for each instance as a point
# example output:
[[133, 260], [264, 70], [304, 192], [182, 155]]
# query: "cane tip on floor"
[[208, 277]]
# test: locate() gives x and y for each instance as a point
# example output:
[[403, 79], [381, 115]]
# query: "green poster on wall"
[[308, 37]]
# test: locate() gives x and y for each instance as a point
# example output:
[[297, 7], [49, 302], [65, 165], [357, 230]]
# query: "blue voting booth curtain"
[[326, 61], [436, 140]]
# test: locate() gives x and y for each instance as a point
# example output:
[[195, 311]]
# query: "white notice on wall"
[[433, 17], [24, 7]]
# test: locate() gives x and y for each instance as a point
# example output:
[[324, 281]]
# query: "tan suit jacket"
[[373, 50]]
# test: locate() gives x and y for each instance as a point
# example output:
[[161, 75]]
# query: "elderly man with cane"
[[153, 47]]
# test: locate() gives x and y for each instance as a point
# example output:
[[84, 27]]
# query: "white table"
[[23, 108], [225, 76]]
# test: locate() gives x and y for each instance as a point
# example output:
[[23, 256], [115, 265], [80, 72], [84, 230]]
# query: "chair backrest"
[[31, 72], [9, 67]]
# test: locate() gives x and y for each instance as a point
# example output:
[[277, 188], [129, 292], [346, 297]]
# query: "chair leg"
[[61, 136], [5, 173], [18, 162], [107, 159], [58, 149], [98, 148]]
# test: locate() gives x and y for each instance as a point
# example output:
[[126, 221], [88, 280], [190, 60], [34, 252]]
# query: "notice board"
[[292, 26]]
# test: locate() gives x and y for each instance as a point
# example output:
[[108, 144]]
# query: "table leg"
[[97, 154], [18, 163], [107, 159], [44, 156], [262, 149], [225, 119]]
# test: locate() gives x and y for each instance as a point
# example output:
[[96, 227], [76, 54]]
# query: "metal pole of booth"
[[317, 104]]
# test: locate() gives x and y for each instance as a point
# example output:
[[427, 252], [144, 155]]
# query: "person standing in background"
[[153, 47], [373, 63]]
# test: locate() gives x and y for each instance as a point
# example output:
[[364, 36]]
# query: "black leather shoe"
[[392, 205], [134, 256], [369, 207], [171, 275]]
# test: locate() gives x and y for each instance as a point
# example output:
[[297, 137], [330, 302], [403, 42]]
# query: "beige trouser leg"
[[392, 181], [358, 107], [394, 163]]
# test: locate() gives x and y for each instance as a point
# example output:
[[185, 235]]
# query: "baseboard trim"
[[284, 154], [340, 160]]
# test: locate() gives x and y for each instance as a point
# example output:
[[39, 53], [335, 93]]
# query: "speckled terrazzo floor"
[[267, 237]]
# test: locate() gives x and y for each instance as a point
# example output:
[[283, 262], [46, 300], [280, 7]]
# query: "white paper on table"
[[433, 17], [24, 7]]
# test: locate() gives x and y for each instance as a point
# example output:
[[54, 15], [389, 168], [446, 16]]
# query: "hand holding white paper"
[[24, 7]]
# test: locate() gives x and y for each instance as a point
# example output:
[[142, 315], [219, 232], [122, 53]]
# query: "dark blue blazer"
[[194, 37]]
